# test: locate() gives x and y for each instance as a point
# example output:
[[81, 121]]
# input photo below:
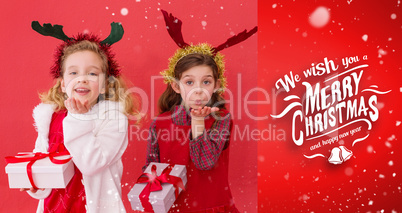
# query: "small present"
[[39, 170], [158, 187]]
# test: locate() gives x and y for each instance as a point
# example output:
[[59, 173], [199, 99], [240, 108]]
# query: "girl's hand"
[[75, 106], [201, 113], [31, 189]]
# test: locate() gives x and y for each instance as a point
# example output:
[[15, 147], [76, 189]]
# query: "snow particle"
[[286, 176], [364, 37], [274, 5], [398, 122], [304, 197], [203, 23], [391, 163], [320, 17], [392, 138], [370, 149], [124, 11], [381, 52], [388, 144], [348, 171], [393, 16]]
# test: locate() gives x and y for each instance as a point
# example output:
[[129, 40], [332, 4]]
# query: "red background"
[[143, 52], [289, 182]]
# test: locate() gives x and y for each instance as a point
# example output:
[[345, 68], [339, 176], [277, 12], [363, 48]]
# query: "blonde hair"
[[116, 87]]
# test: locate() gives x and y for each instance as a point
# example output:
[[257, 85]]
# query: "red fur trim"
[[113, 70]]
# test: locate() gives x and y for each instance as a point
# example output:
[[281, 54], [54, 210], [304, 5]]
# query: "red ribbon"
[[32, 157], [155, 184]]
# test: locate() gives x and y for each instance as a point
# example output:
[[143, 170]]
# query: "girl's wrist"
[[195, 118]]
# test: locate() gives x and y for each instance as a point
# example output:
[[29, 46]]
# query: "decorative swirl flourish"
[[376, 91], [349, 70], [314, 156], [290, 97], [287, 109], [360, 139]]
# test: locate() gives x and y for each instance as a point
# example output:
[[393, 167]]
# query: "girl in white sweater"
[[85, 113]]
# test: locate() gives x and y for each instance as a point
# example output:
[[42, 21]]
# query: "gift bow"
[[32, 157], [155, 184]]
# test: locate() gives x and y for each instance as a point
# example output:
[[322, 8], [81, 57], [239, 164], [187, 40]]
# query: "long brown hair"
[[169, 99], [116, 88]]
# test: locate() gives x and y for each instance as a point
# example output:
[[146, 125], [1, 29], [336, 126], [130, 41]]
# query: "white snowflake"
[[124, 11], [320, 17], [364, 37]]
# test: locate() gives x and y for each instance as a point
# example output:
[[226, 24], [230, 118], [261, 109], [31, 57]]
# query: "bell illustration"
[[346, 153], [336, 156]]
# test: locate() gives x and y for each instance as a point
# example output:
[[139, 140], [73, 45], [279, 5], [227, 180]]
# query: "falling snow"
[[124, 11], [392, 138], [286, 176], [364, 37], [370, 149], [388, 144], [349, 171], [320, 17]]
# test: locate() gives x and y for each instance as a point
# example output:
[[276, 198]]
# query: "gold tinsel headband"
[[204, 49], [173, 26]]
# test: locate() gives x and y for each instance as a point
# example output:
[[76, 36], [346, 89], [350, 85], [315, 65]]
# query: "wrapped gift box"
[[45, 174], [161, 200]]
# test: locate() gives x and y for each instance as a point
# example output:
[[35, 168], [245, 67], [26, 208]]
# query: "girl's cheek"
[[69, 89], [70, 86]]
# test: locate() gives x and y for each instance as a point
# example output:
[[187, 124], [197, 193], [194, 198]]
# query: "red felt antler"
[[173, 26], [236, 39]]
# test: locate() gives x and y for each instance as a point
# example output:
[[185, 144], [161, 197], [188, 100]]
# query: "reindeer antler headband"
[[56, 31], [173, 26]]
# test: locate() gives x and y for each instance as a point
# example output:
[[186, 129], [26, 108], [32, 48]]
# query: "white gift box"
[[161, 200], [45, 174]]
